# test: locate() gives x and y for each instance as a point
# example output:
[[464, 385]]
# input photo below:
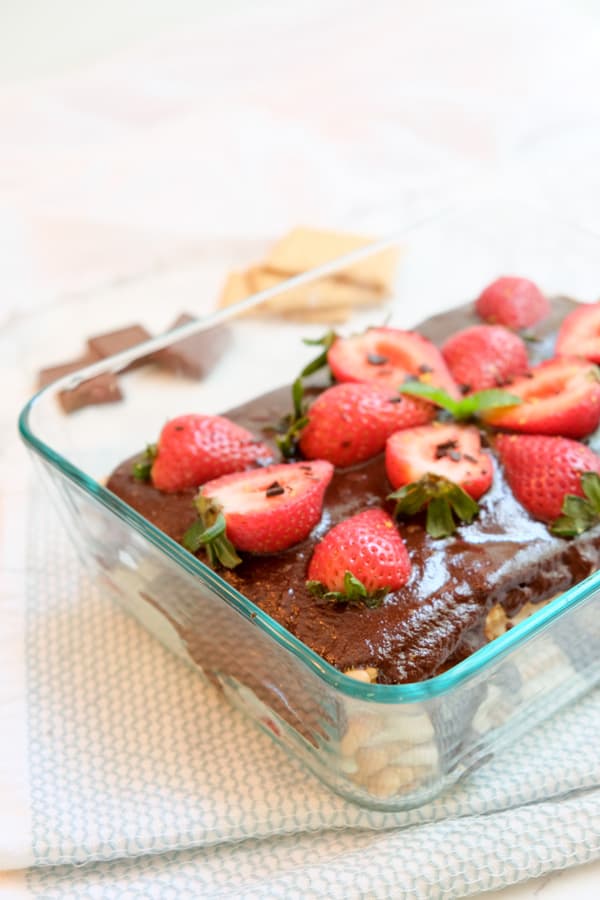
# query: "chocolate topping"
[[504, 557]]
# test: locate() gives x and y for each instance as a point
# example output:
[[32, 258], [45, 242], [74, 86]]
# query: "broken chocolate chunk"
[[117, 341], [53, 373], [100, 389], [196, 355]]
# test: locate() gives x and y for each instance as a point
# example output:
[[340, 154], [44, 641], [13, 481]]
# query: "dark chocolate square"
[[196, 355], [100, 389], [116, 341], [52, 373]]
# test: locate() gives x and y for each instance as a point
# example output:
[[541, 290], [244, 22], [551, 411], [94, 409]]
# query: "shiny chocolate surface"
[[436, 619]]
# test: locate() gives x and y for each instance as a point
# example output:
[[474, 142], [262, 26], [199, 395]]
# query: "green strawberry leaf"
[[590, 483], [142, 468], [440, 521], [443, 500], [579, 513], [480, 401], [354, 592], [209, 531]]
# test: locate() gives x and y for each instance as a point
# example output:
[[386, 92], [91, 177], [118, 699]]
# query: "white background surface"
[[135, 137]]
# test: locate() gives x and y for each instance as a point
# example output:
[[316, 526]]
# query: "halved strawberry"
[[389, 356], [351, 422], [361, 559], [560, 396], [515, 302], [260, 511], [452, 452], [541, 470], [193, 449], [579, 334], [485, 356]]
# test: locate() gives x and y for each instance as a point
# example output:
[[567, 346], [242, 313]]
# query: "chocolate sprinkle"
[[274, 490], [376, 359]]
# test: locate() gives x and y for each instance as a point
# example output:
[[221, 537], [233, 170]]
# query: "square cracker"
[[304, 248], [327, 294], [236, 288]]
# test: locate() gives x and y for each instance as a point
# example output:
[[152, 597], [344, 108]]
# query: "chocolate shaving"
[[376, 359], [274, 490], [448, 448]]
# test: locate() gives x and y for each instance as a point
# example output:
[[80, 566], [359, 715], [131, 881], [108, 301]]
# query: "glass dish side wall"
[[388, 756], [390, 747]]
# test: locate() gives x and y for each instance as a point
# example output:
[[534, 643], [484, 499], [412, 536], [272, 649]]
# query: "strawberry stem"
[[443, 500], [467, 407], [354, 592], [320, 361], [287, 440], [209, 531], [142, 468], [579, 513]]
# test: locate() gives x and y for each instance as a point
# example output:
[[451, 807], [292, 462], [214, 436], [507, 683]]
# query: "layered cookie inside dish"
[[412, 500]]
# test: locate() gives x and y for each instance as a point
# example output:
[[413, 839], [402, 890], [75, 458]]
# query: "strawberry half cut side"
[[389, 356], [260, 511], [452, 452], [359, 560], [558, 397], [579, 333], [350, 422], [543, 470]]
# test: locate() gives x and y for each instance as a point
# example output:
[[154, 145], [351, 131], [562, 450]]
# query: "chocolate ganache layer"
[[504, 557]]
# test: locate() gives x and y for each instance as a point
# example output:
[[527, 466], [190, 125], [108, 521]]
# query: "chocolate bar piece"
[[116, 341], [52, 373], [100, 389], [193, 356]]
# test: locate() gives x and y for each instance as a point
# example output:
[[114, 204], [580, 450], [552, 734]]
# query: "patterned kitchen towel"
[[131, 755]]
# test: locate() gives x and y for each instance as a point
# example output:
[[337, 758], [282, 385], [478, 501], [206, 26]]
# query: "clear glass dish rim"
[[431, 688]]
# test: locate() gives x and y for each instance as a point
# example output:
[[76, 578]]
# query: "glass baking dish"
[[388, 747]]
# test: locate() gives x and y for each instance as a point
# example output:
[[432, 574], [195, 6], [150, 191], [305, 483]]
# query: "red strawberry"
[[389, 356], [485, 356], [351, 422], [541, 470], [560, 396], [193, 449], [264, 510], [514, 302], [369, 547], [450, 451], [579, 334]]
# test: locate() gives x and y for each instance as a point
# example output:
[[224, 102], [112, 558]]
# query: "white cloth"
[[335, 114]]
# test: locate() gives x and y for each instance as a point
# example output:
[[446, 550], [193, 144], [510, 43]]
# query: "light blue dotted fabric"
[[143, 772]]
